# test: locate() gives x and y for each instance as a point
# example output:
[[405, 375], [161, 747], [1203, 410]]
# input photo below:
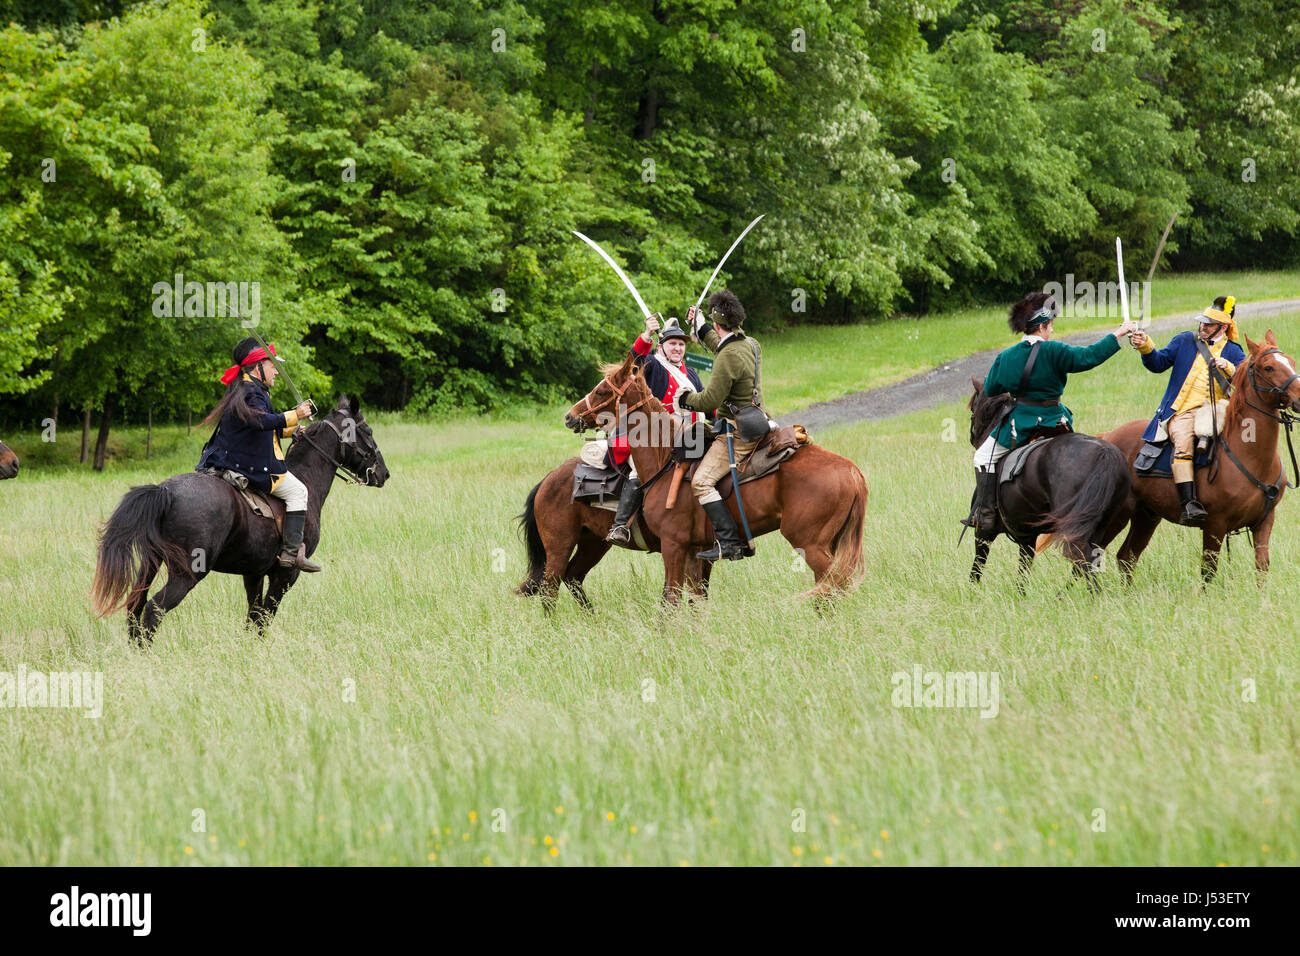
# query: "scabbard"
[[675, 483]]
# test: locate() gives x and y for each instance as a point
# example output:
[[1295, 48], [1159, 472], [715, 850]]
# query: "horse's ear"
[[979, 386], [355, 401], [1270, 338], [1252, 347], [343, 404]]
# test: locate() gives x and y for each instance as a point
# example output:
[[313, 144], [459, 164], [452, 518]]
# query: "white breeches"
[[291, 491], [989, 454]]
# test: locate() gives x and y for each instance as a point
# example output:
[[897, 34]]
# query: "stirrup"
[[619, 534]]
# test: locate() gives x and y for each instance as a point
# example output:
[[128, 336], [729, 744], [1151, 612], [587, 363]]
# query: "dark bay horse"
[[8, 462], [566, 539], [1075, 489], [196, 523], [817, 499], [1264, 389]]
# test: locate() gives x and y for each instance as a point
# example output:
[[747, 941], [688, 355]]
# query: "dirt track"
[[950, 382]]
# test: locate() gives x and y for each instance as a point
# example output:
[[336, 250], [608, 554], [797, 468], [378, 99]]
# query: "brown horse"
[[8, 462], [817, 499], [1241, 495], [565, 539]]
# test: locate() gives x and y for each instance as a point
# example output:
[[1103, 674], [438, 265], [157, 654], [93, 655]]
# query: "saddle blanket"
[[1159, 464]]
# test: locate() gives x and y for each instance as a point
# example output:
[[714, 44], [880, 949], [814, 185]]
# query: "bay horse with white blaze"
[[196, 523], [1244, 483], [817, 499]]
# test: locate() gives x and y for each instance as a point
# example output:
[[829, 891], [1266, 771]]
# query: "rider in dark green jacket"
[[1039, 405]]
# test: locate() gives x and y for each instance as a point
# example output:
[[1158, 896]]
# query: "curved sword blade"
[[614, 265], [1123, 286], [723, 262]]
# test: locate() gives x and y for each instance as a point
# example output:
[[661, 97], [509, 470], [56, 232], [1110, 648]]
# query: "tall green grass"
[[405, 701]]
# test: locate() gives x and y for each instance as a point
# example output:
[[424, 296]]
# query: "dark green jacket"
[[732, 379], [1055, 362]]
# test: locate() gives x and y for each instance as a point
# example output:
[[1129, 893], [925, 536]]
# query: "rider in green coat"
[[1039, 405]]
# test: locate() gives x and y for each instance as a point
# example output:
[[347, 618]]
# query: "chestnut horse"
[[8, 462], [818, 499], [1243, 495], [564, 539]]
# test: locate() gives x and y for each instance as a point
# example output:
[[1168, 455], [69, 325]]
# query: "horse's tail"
[[847, 566], [1076, 519], [132, 549], [533, 546]]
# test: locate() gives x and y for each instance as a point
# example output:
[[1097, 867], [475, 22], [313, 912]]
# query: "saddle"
[[1155, 459], [262, 505], [779, 445], [597, 485], [1014, 463]]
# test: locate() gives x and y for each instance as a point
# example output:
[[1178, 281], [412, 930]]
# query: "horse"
[[8, 462], [565, 539], [1076, 490], [1265, 390], [196, 523], [817, 499]]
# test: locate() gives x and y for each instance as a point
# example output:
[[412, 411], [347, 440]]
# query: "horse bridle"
[[613, 399], [1270, 389], [1284, 417], [341, 470]]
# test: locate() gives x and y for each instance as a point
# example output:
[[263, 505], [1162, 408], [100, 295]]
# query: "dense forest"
[[388, 187]]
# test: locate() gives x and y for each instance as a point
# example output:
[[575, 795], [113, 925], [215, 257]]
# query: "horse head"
[[622, 390], [358, 451], [984, 411], [8, 462], [1272, 374]]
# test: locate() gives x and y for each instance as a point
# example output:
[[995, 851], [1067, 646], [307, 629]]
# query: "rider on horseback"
[[665, 373], [1035, 389], [247, 441], [733, 385], [1191, 386]]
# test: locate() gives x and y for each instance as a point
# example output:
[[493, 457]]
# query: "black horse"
[[8, 462], [195, 523], [1076, 489]]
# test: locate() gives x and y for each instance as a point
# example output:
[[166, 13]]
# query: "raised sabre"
[[1123, 286], [645, 310], [721, 262]]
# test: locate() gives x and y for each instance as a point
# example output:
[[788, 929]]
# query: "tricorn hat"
[[672, 330]]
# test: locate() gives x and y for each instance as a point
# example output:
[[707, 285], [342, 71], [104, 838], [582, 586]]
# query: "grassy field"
[[407, 708]]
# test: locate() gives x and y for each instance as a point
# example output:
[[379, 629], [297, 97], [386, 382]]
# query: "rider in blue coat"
[[247, 441]]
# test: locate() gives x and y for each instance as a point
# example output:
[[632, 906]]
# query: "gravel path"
[[950, 382]]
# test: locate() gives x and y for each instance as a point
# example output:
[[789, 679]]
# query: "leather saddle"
[[262, 505], [778, 446], [1016, 459]]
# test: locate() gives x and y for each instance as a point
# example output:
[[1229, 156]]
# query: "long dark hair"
[[236, 398]]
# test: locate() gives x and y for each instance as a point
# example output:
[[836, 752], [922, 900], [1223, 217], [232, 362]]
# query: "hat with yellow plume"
[[1223, 311]]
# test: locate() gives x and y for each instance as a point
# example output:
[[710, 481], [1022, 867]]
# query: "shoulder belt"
[[1219, 380]]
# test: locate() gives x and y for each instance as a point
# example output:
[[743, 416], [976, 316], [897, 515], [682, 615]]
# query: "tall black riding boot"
[[628, 502], [729, 545], [1194, 512], [292, 553], [984, 503]]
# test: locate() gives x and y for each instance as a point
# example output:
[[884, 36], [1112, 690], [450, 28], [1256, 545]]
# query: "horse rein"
[[340, 470], [1284, 417], [613, 399]]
